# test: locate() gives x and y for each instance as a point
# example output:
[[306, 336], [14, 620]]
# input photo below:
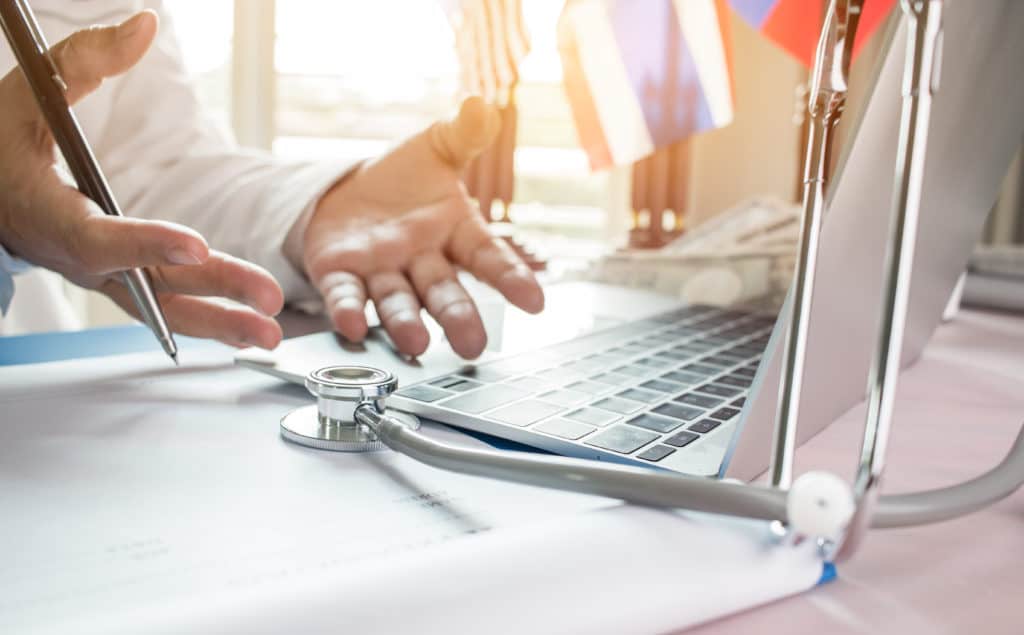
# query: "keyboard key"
[[529, 384], [734, 380], [654, 341], [559, 375], [686, 349], [585, 366], [633, 371], [589, 387], [564, 428], [519, 365], [484, 399], [678, 411], [707, 425], [424, 393], [739, 403], [700, 345], [631, 350], [456, 383], [744, 372], [613, 379], [487, 374], [701, 369], [643, 396], [622, 439], [674, 356], [683, 331], [702, 401], [655, 453], [592, 416], [444, 382], [724, 414], [721, 361], [662, 386], [566, 398], [683, 377], [654, 422], [680, 439], [621, 406], [655, 362], [719, 390], [523, 413]]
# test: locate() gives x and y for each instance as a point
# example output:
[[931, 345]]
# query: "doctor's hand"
[[396, 229], [46, 221]]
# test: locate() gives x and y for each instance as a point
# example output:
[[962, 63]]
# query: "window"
[[352, 77], [205, 32]]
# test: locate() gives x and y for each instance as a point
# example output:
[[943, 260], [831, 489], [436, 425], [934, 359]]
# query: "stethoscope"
[[350, 413]]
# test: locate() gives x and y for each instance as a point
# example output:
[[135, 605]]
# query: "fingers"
[[488, 258], [98, 244], [446, 300], [473, 129], [86, 57], [399, 311], [199, 317], [344, 298], [226, 277]]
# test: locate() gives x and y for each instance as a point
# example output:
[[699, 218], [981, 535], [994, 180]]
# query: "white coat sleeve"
[[166, 159]]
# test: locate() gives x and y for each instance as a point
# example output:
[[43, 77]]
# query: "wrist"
[[294, 243]]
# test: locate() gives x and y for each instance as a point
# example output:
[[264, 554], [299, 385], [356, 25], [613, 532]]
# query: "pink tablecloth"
[[959, 408]]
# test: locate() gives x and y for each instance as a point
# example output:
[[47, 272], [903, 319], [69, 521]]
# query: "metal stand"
[[920, 81], [828, 97]]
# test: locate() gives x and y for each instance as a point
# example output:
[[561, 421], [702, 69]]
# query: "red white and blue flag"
[[795, 25], [643, 74]]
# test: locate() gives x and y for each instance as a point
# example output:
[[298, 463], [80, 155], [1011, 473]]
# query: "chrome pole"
[[827, 99], [920, 81]]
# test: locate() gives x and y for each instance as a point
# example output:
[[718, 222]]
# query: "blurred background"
[[347, 78]]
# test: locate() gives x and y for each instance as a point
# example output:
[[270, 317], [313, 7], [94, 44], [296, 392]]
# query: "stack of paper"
[[139, 498]]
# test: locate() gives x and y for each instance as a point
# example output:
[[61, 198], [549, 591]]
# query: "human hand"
[[46, 221], [395, 229]]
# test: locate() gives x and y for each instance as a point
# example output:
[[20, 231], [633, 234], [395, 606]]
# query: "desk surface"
[[959, 409]]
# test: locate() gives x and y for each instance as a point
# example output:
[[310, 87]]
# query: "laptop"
[[643, 379]]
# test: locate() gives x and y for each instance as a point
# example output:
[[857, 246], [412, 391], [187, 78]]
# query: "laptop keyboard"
[[640, 390]]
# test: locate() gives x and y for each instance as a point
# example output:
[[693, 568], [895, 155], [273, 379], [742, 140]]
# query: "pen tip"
[[174, 358]]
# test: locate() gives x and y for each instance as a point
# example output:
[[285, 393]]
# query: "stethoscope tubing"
[[664, 490]]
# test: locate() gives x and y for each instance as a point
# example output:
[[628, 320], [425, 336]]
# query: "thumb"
[[87, 57], [459, 140]]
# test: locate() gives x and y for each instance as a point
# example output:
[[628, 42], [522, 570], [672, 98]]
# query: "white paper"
[[139, 497]]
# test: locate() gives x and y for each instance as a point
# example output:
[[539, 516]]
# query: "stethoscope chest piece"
[[331, 424]]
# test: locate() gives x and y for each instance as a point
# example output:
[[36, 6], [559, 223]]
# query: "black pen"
[[32, 52]]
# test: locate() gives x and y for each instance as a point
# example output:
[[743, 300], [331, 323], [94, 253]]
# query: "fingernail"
[[183, 257]]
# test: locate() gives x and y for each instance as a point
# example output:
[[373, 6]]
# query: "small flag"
[[490, 41], [643, 74], [795, 25]]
